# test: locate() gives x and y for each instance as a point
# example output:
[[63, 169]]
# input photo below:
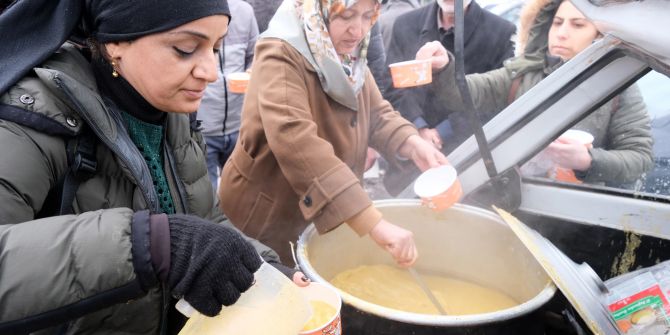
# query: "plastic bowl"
[[238, 81], [324, 294], [439, 187], [411, 73], [583, 137]]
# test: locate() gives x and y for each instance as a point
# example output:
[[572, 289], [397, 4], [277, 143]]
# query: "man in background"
[[391, 9], [487, 43]]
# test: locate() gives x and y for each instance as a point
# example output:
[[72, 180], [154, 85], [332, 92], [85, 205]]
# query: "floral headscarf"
[[315, 15]]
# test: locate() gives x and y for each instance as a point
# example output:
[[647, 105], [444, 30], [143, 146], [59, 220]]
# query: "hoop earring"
[[114, 73]]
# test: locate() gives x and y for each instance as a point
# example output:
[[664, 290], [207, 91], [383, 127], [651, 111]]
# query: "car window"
[[627, 141], [655, 89]]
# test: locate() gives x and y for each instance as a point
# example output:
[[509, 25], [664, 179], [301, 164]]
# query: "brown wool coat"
[[300, 155]]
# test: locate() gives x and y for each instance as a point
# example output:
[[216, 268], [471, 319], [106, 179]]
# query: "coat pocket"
[[257, 219], [242, 161]]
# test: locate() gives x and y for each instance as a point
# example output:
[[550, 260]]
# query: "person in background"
[[487, 43], [311, 110], [391, 9], [551, 33], [264, 10], [380, 37], [220, 109], [377, 57], [142, 228], [377, 65]]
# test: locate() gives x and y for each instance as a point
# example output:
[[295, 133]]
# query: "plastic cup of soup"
[[273, 299], [438, 187], [326, 304], [411, 73], [238, 81], [565, 174]]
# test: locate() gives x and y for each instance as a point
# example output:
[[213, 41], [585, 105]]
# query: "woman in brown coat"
[[312, 109]]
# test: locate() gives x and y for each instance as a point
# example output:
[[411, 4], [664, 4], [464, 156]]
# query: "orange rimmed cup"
[[326, 306], [439, 187], [411, 73], [565, 174], [238, 82]]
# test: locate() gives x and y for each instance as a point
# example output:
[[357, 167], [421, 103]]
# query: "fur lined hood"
[[534, 24]]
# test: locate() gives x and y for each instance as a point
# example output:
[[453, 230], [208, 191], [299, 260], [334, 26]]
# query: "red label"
[[652, 291]]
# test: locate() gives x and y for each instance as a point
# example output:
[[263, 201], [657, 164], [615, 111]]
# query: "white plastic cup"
[[438, 187], [581, 136], [330, 296], [411, 73], [273, 305], [238, 82]]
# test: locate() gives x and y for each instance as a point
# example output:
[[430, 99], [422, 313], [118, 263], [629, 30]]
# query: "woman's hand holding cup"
[[422, 153]]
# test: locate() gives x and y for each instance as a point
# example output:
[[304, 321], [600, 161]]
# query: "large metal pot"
[[463, 242]]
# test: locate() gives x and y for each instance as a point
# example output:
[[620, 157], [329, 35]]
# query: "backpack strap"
[[83, 165]]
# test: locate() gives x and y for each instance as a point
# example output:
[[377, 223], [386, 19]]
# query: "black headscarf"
[[31, 30]]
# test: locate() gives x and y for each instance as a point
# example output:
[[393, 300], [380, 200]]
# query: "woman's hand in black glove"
[[210, 264]]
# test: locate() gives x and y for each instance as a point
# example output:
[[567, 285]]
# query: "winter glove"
[[210, 264]]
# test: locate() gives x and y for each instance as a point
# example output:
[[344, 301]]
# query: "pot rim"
[[415, 318]]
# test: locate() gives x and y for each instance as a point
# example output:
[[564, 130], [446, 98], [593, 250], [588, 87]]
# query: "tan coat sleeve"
[[363, 222]]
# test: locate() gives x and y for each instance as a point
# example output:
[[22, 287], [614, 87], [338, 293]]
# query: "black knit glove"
[[211, 264]]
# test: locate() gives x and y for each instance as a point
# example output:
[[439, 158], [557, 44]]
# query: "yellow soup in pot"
[[395, 288]]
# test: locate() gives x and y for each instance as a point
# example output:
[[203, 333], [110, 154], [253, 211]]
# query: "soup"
[[322, 313], [395, 288]]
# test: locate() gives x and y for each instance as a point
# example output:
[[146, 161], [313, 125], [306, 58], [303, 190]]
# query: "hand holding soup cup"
[[423, 153], [431, 55], [438, 185], [436, 53], [570, 152]]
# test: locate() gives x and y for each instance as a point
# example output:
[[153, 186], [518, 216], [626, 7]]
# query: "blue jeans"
[[219, 149]]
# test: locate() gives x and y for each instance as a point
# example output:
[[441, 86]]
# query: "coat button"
[[354, 122], [26, 99], [72, 122], [307, 201]]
